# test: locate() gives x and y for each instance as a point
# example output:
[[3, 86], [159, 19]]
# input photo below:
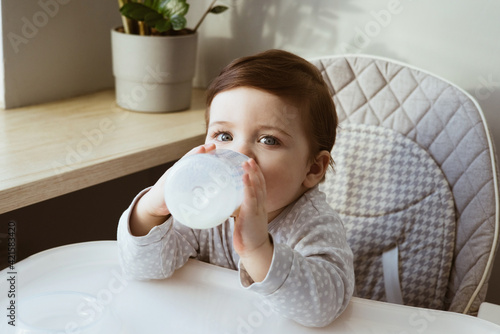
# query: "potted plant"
[[154, 54]]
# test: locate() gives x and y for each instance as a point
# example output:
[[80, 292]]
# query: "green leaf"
[[153, 17], [163, 6], [157, 21], [218, 9], [149, 3], [163, 25], [136, 11], [177, 8], [178, 22], [158, 5], [163, 15]]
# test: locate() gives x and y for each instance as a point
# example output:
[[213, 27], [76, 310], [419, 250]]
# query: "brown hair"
[[292, 78]]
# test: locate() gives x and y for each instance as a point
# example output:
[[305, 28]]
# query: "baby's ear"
[[317, 169]]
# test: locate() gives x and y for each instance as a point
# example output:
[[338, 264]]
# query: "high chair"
[[415, 182]]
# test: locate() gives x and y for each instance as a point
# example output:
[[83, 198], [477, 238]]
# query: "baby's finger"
[[194, 150], [248, 181], [201, 149], [209, 147], [259, 181]]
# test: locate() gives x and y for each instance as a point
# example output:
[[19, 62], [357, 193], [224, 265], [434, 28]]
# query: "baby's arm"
[[151, 210], [311, 277], [251, 237], [158, 254], [307, 276], [151, 245]]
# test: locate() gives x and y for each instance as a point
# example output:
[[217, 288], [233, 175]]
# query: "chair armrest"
[[490, 312]]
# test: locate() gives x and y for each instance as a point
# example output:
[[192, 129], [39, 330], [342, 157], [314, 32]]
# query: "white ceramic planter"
[[153, 73]]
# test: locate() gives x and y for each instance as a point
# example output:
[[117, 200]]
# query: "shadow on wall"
[[260, 25]]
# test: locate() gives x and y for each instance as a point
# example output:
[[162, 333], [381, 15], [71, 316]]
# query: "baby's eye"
[[269, 140], [224, 136]]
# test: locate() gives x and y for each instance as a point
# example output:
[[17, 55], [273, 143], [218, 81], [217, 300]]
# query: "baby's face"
[[265, 128]]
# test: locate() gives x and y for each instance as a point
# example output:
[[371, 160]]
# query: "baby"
[[285, 240]]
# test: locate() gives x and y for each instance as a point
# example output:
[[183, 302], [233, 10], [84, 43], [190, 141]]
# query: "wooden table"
[[52, 149]]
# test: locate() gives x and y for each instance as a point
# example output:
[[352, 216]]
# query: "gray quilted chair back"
[[383, 100]]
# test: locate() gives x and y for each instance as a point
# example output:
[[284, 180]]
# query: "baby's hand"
[[151, 209], [251, 238]]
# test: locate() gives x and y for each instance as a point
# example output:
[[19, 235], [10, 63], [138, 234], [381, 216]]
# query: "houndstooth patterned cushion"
[[449, 125], [390, 192]]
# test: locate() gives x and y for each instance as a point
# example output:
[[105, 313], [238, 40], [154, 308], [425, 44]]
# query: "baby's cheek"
[[276, 194]]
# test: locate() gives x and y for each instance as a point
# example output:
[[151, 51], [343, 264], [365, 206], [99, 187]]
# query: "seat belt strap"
[[390, 266]]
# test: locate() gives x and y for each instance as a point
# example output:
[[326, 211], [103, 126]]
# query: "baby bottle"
[[203, 190]]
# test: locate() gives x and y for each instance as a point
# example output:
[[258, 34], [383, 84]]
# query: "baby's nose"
[[246, 150]]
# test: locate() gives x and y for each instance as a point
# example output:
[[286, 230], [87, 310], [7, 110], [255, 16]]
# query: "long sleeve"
[[311, 278], [158, 254]]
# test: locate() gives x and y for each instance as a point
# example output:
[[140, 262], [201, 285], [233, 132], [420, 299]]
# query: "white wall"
[[455, 39], [54, 49]]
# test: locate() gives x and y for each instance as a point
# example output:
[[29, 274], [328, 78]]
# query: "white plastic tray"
[[201, 298]]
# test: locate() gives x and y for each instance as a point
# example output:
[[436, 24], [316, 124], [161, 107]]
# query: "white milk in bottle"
[[203, 190]]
